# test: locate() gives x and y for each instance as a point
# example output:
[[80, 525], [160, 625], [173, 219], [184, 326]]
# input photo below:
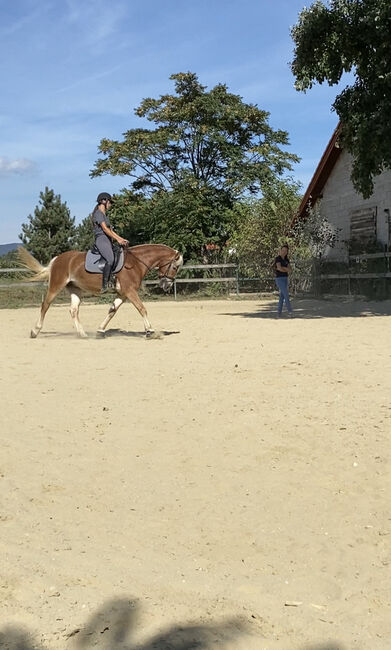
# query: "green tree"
[[351, 36], [314, 234], [207, 150], [84, 234], [262, 226], [129, 215], [8, 261], [51, 230], [183, 218]]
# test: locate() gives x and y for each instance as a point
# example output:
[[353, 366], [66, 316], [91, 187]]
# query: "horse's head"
[[168, 271]]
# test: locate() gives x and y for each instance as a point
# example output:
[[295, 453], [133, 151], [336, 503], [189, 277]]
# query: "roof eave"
[[321, 175]]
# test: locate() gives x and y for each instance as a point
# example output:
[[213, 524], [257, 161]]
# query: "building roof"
[[322, 173]]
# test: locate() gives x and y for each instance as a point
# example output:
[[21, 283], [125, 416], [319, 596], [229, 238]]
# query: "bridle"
[[170, 265], [150, 268]]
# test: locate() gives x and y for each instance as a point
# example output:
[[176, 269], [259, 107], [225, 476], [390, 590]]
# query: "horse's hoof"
[[100, 334], [149, 334], [83, 335], [33, 334]]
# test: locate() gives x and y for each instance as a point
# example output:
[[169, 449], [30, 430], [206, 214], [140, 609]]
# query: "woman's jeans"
[[282, 284]]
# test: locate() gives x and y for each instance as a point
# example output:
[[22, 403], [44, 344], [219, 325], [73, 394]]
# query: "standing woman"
[[282, 269], [104, 234]]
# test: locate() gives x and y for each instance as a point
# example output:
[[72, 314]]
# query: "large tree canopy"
[[201, 138], [351, 36], [205, 151]]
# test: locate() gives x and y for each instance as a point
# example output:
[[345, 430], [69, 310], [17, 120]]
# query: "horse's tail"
[[41, 273]]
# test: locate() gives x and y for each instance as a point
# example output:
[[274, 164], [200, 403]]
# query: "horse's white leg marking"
[[147, 324], [116, 304], [38, 326], [74, 311]]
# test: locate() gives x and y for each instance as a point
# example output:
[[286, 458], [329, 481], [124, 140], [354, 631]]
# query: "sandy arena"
[[226, 485]]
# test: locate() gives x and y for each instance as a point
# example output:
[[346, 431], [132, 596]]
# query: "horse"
[[67, 271]]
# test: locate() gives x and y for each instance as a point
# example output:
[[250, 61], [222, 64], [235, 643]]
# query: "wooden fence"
[[352, 274], [304, 280], [233, 278]]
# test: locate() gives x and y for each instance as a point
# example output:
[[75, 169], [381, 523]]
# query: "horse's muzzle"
[[166, 284]]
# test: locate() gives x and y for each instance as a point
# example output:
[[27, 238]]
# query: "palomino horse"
[[67, 270]]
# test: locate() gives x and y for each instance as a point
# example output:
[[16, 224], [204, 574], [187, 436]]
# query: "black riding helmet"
[[104, 196]]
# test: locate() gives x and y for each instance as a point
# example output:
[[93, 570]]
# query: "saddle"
[[95, 263]]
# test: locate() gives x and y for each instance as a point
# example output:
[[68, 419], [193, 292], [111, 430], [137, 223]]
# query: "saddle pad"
[[95, 263]]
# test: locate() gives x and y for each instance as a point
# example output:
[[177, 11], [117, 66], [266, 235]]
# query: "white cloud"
[[23, 22], [89, 79], [96, 20], [17, 166]]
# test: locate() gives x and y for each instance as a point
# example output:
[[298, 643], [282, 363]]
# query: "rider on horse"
[[104, 234]]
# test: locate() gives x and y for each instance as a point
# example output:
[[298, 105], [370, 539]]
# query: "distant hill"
[[6, 248]]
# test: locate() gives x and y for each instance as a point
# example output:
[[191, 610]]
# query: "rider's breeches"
[[103, 244]]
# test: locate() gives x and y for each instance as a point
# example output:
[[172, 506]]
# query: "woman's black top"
[[284, 263]]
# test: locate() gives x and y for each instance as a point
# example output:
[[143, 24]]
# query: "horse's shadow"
[[139, 335], [55, 334], [110, 333], [115, 627], [325, 646]]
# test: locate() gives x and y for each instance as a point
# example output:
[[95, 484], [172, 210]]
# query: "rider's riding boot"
[[112, 281], [105, 278]]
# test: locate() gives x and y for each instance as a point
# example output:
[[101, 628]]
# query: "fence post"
[[237, 279], [174, 289], [316, 278]]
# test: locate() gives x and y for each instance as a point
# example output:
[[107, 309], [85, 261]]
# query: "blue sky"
[[74, 70]]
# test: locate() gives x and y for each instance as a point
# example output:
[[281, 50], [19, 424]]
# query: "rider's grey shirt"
[[98, 218]]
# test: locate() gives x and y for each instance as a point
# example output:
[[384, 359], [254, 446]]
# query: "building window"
[[363, 231]]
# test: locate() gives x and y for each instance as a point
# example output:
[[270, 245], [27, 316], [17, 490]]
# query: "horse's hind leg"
[[57, 280], [115, 305], [74, 310], [47, 301]]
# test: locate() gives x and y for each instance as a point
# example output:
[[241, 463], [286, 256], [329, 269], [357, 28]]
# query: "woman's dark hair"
[[285, 246], [92, 213]]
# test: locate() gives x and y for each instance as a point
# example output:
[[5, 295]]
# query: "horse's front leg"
[[132, 296], [74, 311], [115, 305]]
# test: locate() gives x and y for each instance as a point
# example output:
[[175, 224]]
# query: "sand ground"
[[226, 485]]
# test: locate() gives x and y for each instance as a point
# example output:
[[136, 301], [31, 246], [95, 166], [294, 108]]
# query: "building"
[[363, 225]]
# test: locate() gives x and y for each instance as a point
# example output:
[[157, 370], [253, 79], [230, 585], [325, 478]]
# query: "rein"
[[138, 259], [150, 268]]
